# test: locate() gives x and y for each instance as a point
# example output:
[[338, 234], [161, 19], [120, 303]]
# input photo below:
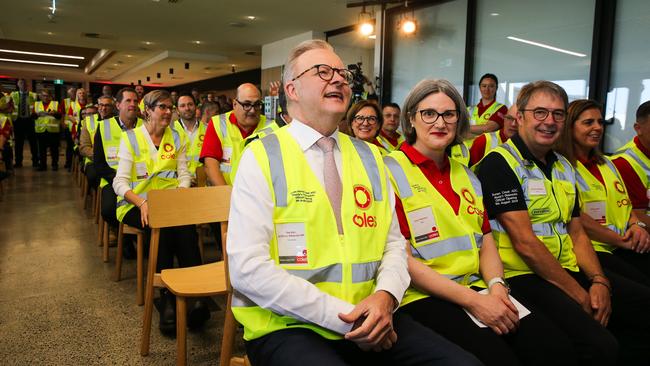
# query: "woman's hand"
[[144, 214], [496, 310]]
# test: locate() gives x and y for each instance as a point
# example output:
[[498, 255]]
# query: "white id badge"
[[596, 210], [141, 170], [227, 154], [111, 153], [536, 187], [423, 224], [292, 243]]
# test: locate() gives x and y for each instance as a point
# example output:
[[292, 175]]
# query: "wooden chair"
[[125, 229], [178, 207], [201, 181]]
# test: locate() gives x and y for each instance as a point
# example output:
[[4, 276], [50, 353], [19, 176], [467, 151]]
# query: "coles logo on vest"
[[363, 200], [168, 152], [469, 197], [619, 187], [201, 138]]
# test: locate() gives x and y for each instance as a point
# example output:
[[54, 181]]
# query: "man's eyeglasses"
[[372, 120], [540, 114], [248, 105], [326, 72], [430, 116]]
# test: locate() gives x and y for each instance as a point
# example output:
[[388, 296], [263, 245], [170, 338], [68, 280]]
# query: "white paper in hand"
[[520, 308]]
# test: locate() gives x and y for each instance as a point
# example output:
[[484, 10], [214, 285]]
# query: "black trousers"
[[109, 205], [24, 130], [537, 341], [48, 141], [416, 345], [180, 242], [627, 264], [69, 147], [91, 175]]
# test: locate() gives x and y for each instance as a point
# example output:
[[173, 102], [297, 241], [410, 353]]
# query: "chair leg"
[[96, 205], [199, 231], [140, 277], [148, 295], [118, 255], [181, 331], [104, 242], [228, 340], [100, 231], [84, 191]]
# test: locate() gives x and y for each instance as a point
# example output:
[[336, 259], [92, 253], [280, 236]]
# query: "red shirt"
[[477, 151], [635, 188], [393, 141], [497, 116], [212, 147], [440, 179], [592, 166]]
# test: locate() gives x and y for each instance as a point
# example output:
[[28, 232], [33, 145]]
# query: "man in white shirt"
[[293, 311]]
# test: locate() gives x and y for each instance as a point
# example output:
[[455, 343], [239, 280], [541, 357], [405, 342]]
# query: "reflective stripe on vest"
[[278, 175], [444, 247]]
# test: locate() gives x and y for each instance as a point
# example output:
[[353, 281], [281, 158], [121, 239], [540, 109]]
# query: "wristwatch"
[[500, 280], [640, 223]]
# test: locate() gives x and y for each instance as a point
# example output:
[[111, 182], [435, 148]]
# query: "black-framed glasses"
[[540, 114], [248, 105], [372, 120], [326, 72], [430, 116]]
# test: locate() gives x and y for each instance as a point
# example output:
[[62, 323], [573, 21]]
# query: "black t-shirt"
[[501, 189]]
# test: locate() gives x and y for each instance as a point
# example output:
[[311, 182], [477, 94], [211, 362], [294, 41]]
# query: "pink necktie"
[[332, 178]]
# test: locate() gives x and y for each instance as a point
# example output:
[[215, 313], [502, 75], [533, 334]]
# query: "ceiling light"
[[372, 36], [532, 43], [366, 23], [42, 54], [408, 26], [495, 14], [196, 42], [147, 43], [49, 33], [251, 17], [38, 62], [129, 56]]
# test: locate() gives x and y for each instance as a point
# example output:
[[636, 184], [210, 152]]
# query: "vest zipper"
[[559, 254]]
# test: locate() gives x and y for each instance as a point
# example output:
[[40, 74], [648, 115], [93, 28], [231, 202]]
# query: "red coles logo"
[[362, 197], [168, 152], [201, 137], [619, 187], [468, 196]]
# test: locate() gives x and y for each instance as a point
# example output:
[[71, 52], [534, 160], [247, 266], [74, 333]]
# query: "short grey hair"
[[312, 44], [422, 90], [541, 86]]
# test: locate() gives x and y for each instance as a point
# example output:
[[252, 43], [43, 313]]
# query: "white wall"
[[275, 53]]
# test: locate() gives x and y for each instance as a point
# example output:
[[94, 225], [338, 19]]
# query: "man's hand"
[[600, 302], [274, 88], [373, 322], [637, 239]]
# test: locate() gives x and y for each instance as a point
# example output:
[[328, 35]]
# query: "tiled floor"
[[58, 303]]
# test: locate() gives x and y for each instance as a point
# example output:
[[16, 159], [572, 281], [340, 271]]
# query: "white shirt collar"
[[307, 136]]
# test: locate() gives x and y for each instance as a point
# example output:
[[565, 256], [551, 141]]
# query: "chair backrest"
[[182, 206], [201, 177]]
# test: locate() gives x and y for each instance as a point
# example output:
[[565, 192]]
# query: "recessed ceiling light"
[[129, 56], [42, 54], [49, 33], [196, 42], [147, 43], [251, 17], [494, 14], [38, 62]]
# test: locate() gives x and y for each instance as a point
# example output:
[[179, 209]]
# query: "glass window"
[[524, 41], [436, 49], [630, 77], [358, 54]]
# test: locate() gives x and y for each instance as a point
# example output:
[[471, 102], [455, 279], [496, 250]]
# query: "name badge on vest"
[[227, 154], [423, 224], [536, 187], [292, 243], [141, 170], [596, 210], [111, 153]]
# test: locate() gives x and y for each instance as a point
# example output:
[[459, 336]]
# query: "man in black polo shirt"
[[529, 192]]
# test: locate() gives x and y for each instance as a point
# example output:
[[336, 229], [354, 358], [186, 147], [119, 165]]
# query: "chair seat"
[[205, 280]]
